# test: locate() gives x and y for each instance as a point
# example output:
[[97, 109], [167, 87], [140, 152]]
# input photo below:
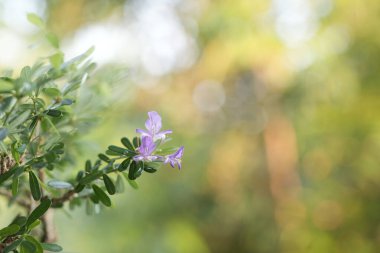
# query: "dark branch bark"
[[58, 202], [49, 233]]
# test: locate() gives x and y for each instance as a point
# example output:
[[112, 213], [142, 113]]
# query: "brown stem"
[[58, 202], [49, 233]]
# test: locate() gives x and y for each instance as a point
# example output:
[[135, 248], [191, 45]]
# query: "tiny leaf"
[[34, 186], [110, 186], [35, 20], [36, 243], [60, 184], [6, 175], [124, 164], [136, 142], [51, 92], [104, 158], [10, 230], [103, 197], [53, 39], [3, 133], [56, 60], [39, 211], [127, 143], [119, 184], [53, 113], [52, 247]]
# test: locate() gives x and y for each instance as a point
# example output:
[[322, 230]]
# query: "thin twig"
[[20, 202], [58, 202]]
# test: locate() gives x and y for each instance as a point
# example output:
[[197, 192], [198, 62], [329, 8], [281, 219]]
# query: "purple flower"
[[153, 125], [145, 150], [175, 158]]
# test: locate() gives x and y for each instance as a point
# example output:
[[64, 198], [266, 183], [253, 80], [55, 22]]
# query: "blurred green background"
[[276, 102]]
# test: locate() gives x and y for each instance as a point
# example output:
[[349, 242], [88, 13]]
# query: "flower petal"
[[153, 123], [142, 132]]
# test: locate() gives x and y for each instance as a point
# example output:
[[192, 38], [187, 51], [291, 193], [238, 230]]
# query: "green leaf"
[[35, 224], [110, 186], [33, 123], [5, 86], [13, 245], [88, 166], [6, 175], [119, 184], [34, 186], [60, 184], [132, 183], [149, 169], [36, 243], [15, 183], [56, 60], [27, 247], [52, 247], [91, 177], [10, 230], [77, 60], [127, 143], [52, 39], [89, 207], [6, 103], [3, 133], [51, 92], [3, 148], [20, 119], [103, 197], [53, 113], [136, 142], [94, 198], [105, 158], [38, 212], [124, 164], [40, 103], [26, 73], [14, 151], [36, 20], [117, 149], [19, 220], [79, 188], [67, 101], [112, 153], [134, 171]]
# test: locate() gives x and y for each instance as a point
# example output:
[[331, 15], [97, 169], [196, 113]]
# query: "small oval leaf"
[[54, 113], [10, 230], [52, 247], [105, 158], [110, 186], [127, 143], [39, 211], [60, 184], [124, 164], [103, 197], [34, 186]]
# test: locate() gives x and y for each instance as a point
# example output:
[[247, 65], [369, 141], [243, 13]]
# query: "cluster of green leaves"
[[39, 121], [35, 117], [105, 176], [18, 233]]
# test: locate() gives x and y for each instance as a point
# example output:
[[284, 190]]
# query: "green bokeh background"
[[278, 112]]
